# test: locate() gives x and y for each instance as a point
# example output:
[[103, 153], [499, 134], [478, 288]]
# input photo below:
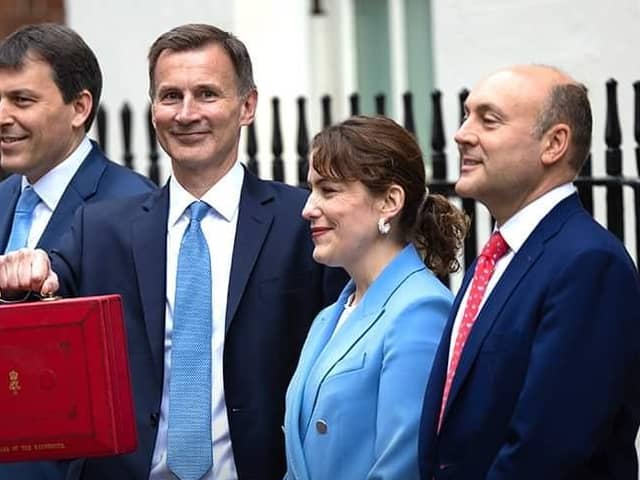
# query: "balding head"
[[565, 101]]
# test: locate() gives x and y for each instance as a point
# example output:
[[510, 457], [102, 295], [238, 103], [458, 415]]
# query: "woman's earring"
[[384, 227]]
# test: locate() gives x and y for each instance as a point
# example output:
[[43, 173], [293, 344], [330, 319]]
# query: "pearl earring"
[[384, 227]]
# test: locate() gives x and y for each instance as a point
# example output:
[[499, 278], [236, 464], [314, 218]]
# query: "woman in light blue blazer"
[[353, 405]]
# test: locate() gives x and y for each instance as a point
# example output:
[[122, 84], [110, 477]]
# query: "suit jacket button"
[[154, 419], [321, 427]]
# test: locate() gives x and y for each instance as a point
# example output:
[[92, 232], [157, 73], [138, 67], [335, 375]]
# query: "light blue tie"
[[189, 436], [22, 219]]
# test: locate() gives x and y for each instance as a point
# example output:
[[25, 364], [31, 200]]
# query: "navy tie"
[[189, 437], [22, 219]]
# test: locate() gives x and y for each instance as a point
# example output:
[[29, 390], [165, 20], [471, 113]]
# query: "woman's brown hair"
[[378, 152]]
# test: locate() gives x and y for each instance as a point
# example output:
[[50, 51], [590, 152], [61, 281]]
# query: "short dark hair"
[[378, 152], [73, 64], [569, 103], [197, 35]]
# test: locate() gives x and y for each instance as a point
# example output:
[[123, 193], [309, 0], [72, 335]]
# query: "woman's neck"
[[370, 267]]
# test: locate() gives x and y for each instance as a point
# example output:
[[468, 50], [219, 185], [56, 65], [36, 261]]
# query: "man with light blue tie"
[[47, 105], [216, 274]]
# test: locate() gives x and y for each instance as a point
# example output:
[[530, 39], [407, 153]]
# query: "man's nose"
[[465, 134], [6, 113], [188, 112]]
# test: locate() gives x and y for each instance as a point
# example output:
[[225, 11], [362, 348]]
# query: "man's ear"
[[555, 143], [82, 105], [249, 104], [392, 202]]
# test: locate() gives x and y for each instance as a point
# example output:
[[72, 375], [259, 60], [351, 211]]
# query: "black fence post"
[[438, 156], [354, 104], [326, 111], [252, 149], [407, 102], [380, 103], [636, 122], [468, 204], [125, 117], [101, 124], [316, 8], [302, 144], [438, 142], [585, 188], [636, 190], [154, 167], [613, 138], [276, 143]]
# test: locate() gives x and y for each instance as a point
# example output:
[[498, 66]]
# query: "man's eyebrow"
[[487, 107], [18, 92]]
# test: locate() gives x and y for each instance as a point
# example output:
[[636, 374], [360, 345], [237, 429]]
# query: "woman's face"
[[343, 216]]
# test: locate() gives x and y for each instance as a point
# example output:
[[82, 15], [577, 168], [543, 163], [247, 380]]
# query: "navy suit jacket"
[[548, 384], [275, 290], [97, 179]]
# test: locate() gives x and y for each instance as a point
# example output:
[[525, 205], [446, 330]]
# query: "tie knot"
[[27, 201], [198, 210], [496, 247]]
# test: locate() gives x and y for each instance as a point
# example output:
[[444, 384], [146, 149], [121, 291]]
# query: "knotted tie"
[[22, 219], [189, 437], [495, 249]]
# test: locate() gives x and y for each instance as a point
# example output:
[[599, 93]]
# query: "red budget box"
[[65, 390]]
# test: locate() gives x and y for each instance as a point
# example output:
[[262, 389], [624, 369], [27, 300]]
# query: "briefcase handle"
[[30, 296]]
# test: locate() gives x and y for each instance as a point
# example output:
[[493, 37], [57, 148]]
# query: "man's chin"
[[13, 164], [463, 188]]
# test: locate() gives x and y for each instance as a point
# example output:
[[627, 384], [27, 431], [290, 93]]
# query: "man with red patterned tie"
[[538, 372]]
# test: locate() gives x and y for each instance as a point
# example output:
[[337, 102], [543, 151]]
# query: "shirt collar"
[[52, 185], [223, 197], [517, 229]]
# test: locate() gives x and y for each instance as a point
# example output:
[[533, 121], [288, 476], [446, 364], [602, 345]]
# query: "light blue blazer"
[[353, 405]]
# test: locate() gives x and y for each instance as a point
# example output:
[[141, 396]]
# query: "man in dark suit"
[[265, 287], [538, 374], [47, 105]]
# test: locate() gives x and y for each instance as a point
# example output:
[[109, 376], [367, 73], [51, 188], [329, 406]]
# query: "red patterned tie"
[[495, 248]]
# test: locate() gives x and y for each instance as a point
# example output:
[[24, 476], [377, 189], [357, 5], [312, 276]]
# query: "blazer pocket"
[[348, 365]]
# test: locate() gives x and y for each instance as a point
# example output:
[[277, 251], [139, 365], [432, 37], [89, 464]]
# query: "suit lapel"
[[9, 193], [524, 259], [149, 243], [254, 220], [82, 187]]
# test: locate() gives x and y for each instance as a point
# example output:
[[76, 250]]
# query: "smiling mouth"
[[468, 162], [11, 138], [188, 134], [317, 231]]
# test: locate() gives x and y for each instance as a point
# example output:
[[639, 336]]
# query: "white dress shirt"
[[50, 188], [515, 231], [219, 228]]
